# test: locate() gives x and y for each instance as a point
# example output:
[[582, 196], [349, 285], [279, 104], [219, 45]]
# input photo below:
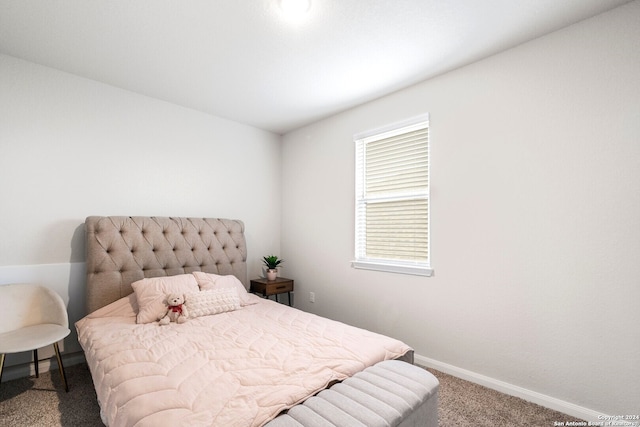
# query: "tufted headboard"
[[123, 249]]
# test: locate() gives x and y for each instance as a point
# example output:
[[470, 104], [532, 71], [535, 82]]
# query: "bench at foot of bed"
[[390, 393]]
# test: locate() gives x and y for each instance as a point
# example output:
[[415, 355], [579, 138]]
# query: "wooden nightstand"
[[272, 287]]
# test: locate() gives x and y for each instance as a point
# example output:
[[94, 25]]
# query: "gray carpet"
[[465, 404], [42, 402]]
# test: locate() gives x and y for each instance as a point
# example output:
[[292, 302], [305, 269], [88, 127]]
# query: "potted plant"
[[272, 262]]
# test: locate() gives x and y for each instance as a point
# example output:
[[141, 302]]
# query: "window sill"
[[393, 268]]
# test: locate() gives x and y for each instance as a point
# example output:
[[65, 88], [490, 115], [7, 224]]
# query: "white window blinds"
[[392, 198]]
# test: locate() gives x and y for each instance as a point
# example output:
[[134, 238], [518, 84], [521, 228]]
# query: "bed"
[[240, 360]]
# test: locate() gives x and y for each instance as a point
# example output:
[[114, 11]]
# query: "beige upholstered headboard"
[[122, 250]]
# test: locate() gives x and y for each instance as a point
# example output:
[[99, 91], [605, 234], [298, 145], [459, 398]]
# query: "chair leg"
[[1, 365], [62, 374], [35, 363]]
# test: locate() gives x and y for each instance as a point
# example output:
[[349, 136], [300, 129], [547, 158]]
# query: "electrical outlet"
[[312, 297]]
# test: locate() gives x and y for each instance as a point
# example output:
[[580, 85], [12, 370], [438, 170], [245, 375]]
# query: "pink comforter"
[[240, 368]]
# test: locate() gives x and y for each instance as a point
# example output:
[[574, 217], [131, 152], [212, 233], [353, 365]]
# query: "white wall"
[[535, 219], [72, 147]]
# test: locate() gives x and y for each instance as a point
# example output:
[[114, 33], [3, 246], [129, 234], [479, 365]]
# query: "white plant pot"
[[272, 274]]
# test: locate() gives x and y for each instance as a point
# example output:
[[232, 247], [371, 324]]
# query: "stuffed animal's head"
[[174, 300]]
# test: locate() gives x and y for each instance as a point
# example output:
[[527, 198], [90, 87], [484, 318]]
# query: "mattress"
[[238, 368]]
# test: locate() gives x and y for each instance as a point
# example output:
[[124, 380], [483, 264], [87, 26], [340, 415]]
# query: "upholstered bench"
[[389, 394]]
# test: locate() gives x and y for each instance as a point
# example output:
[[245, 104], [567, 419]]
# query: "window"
[[392, 198]]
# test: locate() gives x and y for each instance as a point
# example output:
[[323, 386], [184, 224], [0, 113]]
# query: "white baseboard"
[[27, 369], [570, 409]]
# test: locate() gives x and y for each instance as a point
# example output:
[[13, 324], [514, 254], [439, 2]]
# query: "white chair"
[[34, 317]]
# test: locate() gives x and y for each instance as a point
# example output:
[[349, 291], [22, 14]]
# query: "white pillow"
[[213, 301], [151, 294], [124, 307], [208, 281]]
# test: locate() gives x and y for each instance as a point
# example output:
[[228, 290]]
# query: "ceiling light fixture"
[[295, 9]]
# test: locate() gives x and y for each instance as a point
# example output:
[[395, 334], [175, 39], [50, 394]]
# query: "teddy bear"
[[176, 310]]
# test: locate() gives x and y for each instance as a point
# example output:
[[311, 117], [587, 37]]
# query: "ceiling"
[[244, 61]]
